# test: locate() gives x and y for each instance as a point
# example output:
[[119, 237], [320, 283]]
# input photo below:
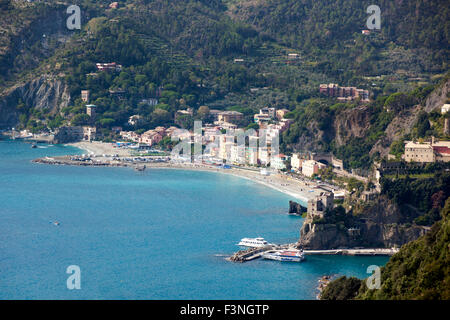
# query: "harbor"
[[276, 181], [104, 155], [253, 253], [136, 229]]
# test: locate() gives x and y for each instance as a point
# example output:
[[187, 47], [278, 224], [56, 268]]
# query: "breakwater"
[[255, 253], [79, 161]]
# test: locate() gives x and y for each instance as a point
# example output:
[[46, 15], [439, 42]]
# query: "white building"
[[296, 162], [238, 154], [150, 101], [252, 156], [134, 120], [264, 156], [445, 108], [268, 111], [418, 152], [225, 145], [311, 167], [278, 162]]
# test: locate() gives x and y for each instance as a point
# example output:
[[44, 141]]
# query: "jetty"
[[138, 163], [355, 252], [249, 254], [255, 253]]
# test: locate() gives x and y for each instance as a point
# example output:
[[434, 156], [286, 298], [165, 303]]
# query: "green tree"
[[160, 117], [80, 119]]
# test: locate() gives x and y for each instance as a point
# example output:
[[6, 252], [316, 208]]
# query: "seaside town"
[[223, 144], [125, 124], [251, 154]]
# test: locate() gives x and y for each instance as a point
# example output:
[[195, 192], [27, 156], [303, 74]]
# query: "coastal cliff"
[[42, 93], [382, 224], [32, 33], [422, 264], [403, 122], [352, 123]]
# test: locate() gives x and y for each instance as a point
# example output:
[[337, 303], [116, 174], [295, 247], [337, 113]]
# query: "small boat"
[[253, 242], [56, 223], [285, 255], [33, 145]]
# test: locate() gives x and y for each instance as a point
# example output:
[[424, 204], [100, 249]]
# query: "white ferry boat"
[[253, 242], [285, 255]]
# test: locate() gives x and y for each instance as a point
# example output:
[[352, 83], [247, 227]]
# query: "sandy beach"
[[100, 148], [298, 189], [292, 187]]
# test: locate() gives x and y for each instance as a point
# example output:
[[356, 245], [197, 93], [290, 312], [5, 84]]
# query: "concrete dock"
[[255, 253], [355, 252], [249, 254]]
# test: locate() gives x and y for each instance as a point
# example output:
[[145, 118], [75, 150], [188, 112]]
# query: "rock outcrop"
[[399, 126], [381, 225], [438, 97], [48, 93], [404, 121], [296, 208], [352, 123]]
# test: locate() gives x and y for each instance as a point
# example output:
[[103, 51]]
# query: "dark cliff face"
[[352, 123], [382, 224], [438, 97], [42, 93], [28, 39]]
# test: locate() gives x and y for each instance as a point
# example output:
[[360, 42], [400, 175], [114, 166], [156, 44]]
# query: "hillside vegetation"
[[183, 53], [420, 270]]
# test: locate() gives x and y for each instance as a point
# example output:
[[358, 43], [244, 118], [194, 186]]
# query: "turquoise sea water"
[[160, 234]]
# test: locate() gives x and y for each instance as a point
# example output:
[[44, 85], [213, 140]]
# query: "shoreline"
[[300, 190], [235, 172], [276, 181]]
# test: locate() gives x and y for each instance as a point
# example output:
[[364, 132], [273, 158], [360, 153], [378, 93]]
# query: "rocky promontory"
[[43, 93], [381, 224]]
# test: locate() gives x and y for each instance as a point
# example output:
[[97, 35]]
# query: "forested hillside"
[[420, 270], [415, 31], [227, 55]]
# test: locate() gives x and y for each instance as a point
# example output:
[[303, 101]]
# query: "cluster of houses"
[[233, 147], [268, 116], [307, 167], [150, 137], [111, 66], [261, 149], [344, 94]]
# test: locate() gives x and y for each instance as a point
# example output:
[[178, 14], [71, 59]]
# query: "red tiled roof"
[[445, 150]]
